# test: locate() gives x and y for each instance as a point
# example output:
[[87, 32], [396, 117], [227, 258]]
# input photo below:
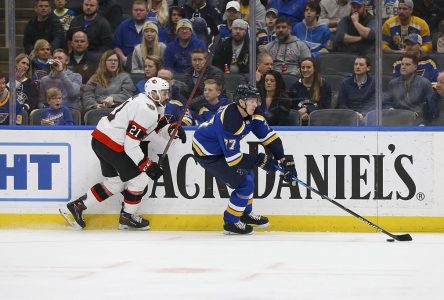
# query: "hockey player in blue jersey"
[[216, 146]]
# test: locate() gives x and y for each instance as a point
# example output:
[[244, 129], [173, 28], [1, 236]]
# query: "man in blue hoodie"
[[177, 54], [316, 36]]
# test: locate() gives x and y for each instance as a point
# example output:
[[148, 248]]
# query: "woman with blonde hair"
[[150, 45], [158, 9], [158, 12], [110, 85], [25, 90], [40, 60]]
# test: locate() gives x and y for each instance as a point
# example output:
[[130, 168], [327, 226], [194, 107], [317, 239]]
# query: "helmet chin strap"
[[243, 108]]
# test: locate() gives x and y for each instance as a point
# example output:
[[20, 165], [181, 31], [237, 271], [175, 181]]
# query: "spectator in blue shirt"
[[129, 33], [56, 113], [178, 52], [358, 91]]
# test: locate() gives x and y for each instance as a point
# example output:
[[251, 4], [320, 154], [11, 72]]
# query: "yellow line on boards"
[[215, 222]]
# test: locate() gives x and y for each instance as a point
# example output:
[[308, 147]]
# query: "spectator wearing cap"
[[232, 12], [158, 13], [356, 33], [129, 33], [396, 29], [177, 54], [287, 50], [293, 10], [150, 45], [427, 66], [332, 11], [268, 34], [317, 36], [233, 51]]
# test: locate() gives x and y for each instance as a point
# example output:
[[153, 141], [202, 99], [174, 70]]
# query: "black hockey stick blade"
[[399, 237]]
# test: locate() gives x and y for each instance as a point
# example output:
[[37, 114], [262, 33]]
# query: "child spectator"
[[268, 34], [65, 15], [4, 103], [56, 113], [206, 106]]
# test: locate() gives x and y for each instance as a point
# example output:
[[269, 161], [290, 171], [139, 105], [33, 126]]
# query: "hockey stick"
[[398, 237], [187, 105]]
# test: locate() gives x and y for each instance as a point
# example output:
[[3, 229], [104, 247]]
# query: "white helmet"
[[156, 84]]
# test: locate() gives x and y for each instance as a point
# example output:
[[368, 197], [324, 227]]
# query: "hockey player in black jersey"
[[216, 146]]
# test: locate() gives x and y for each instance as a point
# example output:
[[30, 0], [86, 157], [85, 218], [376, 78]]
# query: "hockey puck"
[[390, 240]]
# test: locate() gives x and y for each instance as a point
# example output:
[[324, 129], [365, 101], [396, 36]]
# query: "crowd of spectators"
[[96, 54]]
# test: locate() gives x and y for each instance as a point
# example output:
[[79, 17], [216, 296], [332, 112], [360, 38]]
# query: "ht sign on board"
[[35, 171]]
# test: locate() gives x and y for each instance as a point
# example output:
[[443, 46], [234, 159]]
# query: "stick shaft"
[[187, 105]]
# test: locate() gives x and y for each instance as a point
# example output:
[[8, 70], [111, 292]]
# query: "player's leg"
[[243, 184], [251, 218], [113, 165], [135, 189]]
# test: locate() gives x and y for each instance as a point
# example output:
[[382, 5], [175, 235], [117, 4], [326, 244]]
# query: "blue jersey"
[[207, 110], [4, 110], [427, 67], [61, 116], [221, 136]]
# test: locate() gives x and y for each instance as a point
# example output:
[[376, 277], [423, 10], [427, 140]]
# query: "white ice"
[[67, 264]]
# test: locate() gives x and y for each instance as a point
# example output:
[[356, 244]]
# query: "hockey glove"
[[266, 162], [151, 168], [289, 170], [180, 133], [161, 123]]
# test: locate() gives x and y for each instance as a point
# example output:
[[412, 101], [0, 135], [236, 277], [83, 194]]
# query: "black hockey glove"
[[151, 168], [161, 123], [180, 132], [266, 162], [289, 170]]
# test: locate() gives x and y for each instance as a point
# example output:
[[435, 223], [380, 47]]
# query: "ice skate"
[[257, 221], [76, 209], [237, 228], [129, 221]]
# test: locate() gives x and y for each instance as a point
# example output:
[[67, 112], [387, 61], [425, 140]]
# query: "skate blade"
[[261, 226], [226, 232], [66, 215], [126, 227]]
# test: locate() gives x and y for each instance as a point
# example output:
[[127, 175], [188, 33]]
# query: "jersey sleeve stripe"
[[269, 138], [143, 129], [200, 149], [106, 140]]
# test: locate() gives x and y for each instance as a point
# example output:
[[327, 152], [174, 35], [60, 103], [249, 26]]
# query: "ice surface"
[[67, 264]]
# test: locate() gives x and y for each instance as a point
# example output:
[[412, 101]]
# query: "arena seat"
[[392, 117], [93, 116], [333, 117], [339, 63]]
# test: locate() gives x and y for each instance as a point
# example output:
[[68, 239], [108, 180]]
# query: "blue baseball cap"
[[360, 2]]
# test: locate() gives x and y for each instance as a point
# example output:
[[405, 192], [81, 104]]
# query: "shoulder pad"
[[232, 119]]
